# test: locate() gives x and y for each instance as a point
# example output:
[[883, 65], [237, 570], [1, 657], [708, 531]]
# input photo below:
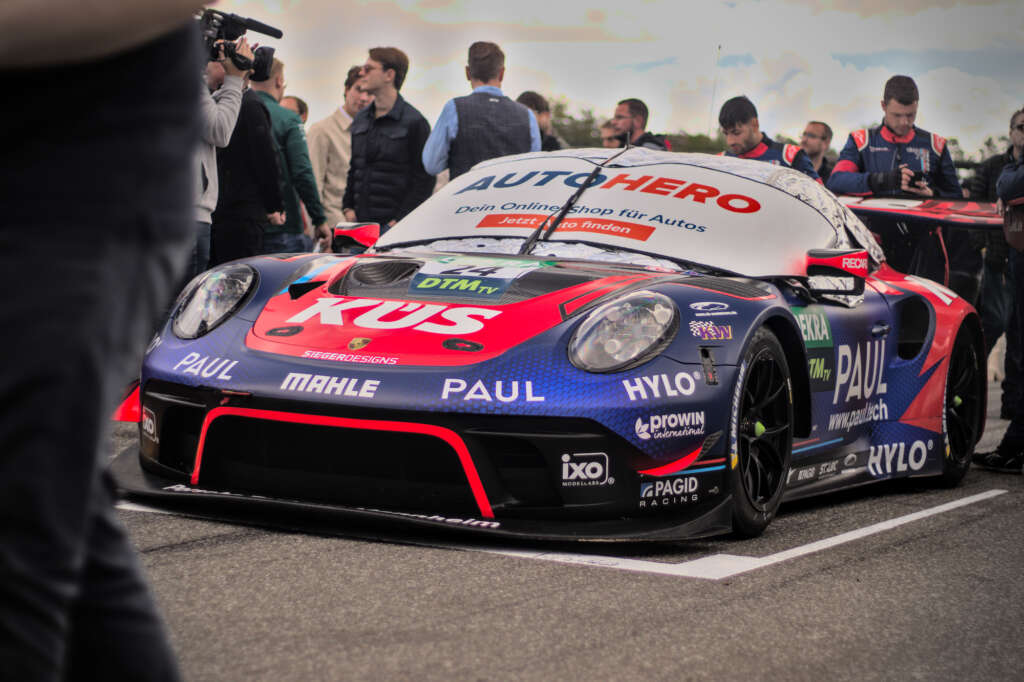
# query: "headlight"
[[211, 300], [624, 333]]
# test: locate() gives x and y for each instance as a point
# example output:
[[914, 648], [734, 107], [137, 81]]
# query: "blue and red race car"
[[580, 344]]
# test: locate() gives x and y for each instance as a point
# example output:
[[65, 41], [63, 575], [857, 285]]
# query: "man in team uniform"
[[743, 136], [898, 158]]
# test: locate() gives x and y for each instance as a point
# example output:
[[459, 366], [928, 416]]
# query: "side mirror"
[[837, 271], [354, 237]]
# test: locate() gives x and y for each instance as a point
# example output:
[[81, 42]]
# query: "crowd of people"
[[73, 602]]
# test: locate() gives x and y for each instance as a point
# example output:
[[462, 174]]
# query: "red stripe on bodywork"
[[447, 435], [674, 467], [130, 410]]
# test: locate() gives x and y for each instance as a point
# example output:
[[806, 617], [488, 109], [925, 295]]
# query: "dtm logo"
[[149, 425], [676, 425], [581, 469], [444, 319], [893, 458]]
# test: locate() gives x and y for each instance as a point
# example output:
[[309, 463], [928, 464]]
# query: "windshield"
[[747, 217]]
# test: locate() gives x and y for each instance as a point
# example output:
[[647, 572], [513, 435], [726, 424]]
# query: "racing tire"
[[965, 384], [761, 435]]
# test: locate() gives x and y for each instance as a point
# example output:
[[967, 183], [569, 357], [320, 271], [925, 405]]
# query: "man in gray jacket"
[[218, 114]]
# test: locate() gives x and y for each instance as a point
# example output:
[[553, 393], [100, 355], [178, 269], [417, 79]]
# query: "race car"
[[584, 344]]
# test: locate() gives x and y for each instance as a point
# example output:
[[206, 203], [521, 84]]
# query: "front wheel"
[[761, 431], [965, 386]]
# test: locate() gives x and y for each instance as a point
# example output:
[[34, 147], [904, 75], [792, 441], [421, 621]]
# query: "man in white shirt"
[[330, 147]]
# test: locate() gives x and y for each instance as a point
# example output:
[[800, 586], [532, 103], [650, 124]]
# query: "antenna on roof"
[[714, 88]]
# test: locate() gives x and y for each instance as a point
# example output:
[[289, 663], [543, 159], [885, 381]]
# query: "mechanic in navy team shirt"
[[743, 136], [898, 158]]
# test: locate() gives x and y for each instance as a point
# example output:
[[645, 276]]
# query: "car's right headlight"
[[212, 298], [625, 332]]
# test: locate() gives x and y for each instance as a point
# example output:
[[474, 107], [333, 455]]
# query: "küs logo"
[[585, 469]]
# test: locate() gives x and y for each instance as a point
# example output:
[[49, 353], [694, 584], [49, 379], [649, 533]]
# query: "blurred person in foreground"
[[482, 125], [609, 136], [1008, 457], [73, 601], [296, 171], [330, 146], [386, 178]]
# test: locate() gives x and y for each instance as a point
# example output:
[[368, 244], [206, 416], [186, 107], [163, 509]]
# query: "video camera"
[[216, 26]]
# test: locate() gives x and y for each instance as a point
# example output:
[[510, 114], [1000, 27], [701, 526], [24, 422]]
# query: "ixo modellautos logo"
[[673, 425], [585, 469], [149, 424], [443, 319]]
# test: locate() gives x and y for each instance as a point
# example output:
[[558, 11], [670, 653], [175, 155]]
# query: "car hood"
[[433, 309]]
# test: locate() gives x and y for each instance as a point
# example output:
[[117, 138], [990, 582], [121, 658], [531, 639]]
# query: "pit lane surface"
[[926, 585]]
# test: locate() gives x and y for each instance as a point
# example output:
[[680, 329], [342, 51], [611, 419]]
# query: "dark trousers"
[[233, 237], [73, 600], [1013, 388]]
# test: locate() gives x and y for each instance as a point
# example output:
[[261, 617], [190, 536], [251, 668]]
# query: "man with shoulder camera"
[[218, 114]]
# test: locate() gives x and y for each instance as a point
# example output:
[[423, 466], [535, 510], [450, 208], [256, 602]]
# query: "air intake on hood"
[[377, 273]]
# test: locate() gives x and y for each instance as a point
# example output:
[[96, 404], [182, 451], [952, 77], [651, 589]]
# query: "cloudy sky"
[[796, 59]]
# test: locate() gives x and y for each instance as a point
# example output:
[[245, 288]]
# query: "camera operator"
[[219, 112]]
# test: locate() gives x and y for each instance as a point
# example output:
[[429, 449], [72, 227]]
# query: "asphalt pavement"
[[885, 582]]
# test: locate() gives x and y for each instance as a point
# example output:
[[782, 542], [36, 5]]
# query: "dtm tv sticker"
[[474, 287]]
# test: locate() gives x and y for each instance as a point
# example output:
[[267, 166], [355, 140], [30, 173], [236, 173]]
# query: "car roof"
[[749, 217]]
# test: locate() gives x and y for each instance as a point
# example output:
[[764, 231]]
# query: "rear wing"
[[928, 213]]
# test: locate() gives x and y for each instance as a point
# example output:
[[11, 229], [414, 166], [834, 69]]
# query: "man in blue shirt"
[[483, 125]]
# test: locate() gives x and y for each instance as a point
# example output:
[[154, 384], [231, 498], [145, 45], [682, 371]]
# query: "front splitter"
[[139, 484]]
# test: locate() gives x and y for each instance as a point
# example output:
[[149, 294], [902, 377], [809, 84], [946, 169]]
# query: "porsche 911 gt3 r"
[[582, 344]]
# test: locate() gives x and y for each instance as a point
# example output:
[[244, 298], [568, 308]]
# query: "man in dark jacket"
[[296, 169], [630, 120], [535, 102], [386, 179], [1009, 455], [250, 194], [483, 125]]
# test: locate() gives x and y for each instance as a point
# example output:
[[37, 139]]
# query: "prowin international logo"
[[671, 425]]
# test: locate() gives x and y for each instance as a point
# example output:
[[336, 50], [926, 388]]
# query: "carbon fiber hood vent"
[[383, 275], [748, 288]]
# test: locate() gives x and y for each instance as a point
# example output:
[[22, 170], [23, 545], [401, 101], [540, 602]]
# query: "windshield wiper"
[[540, 232]]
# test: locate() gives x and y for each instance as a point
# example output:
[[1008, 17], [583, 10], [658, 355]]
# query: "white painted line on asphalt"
[[712, 567], [719, 566], [132, 506]]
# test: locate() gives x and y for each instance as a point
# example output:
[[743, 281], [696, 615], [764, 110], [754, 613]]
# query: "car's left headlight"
[[212, 299], [625, 332]]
